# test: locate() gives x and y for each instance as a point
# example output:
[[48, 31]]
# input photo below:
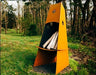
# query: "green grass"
[[73, 64], [81, 48], [18, 54], [83, 71], [73, 45]]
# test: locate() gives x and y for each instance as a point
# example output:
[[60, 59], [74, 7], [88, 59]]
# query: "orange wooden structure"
[[56, 15]]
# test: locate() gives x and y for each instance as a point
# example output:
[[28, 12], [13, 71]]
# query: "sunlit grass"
[[18, 54]]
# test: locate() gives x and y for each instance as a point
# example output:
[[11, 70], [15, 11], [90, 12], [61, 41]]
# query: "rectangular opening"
[[49, 30]]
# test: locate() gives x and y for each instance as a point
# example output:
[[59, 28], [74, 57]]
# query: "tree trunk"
[[64, 4], [92, 25], [44, 16], [88, 12], [5, 15], [76, 21], [71, 14], [79, 22], [18, 26], [0, 18], [74, 26], [83, 8], [41, 20], [34, 17]]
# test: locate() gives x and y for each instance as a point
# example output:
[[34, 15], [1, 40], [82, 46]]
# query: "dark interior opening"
[[49, 30]]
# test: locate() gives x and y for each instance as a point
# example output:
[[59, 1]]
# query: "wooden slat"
[[47, 49], [55, 47], [53, 41], [48, 41]]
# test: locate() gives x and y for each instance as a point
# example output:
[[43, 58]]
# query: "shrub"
[[31, 30], [2, 29]]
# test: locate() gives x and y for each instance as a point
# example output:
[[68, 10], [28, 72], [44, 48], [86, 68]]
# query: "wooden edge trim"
[[47, 49]]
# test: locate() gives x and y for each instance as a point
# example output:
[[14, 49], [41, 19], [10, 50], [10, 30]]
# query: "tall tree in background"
[[92, 25], [71, 22], [11, 17], [5, 15], [18, 21], [0, 18], [38, 11], [83, 7], [75, 20]]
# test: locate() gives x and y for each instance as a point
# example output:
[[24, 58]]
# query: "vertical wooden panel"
[[62, 56]]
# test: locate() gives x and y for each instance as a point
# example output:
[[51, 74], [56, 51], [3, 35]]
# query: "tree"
[[38, 11], [0, 17], [92, 25], [83, 9], [18, 21], [11, 17], [5, 15]]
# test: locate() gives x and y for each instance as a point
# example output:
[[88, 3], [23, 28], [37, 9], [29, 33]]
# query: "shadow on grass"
[[29, 59], [48, 68]]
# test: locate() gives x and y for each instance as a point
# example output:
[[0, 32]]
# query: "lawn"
[[18, 54]]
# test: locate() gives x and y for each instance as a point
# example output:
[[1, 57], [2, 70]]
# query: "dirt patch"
[[79, 56]]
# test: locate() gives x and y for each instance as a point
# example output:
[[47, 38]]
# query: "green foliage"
[[31, 30], [2, 29], [73, 46], [73, 39], [71, 73], [27, 25], [83, 71], [70, 54], [87, 50], [73, 64], [10, 31], [91, 66], [11, 18]]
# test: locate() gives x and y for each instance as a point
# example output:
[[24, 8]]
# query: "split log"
[[53, 41], [55, 47], [48, 41]]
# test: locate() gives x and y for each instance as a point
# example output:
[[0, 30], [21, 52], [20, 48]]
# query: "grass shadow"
[[48, 68], [29, 59]]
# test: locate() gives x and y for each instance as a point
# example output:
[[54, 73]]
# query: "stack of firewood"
[[51, 43]]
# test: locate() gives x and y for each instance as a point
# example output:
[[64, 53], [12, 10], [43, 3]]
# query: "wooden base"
[[46, 56]]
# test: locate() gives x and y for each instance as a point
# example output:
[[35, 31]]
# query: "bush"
[[31, 30], [2, 29]]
